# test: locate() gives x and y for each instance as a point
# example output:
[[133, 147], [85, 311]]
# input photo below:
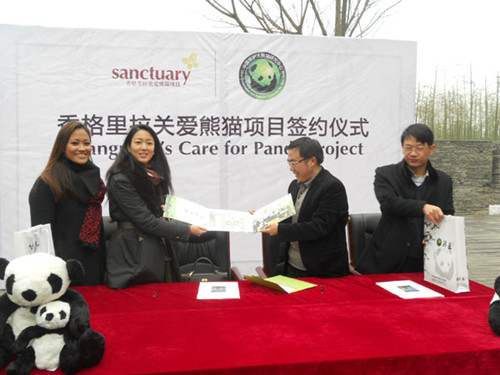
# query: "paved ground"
[[483, 248]]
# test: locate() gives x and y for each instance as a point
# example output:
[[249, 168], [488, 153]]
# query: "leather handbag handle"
[[207, 260]]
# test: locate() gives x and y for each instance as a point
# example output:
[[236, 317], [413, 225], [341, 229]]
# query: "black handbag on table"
[[202, 270]]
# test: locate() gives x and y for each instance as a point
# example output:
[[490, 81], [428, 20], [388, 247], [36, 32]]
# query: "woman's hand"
[[196, 230]]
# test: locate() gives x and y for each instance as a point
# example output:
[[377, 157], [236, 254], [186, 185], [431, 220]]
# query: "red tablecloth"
[[353, 327]]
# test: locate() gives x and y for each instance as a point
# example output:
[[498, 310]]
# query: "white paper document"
[[218, 290], [408, 289], [228, 220]]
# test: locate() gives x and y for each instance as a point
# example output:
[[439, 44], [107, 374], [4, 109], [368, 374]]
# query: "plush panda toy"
[[494, 313], [37, 288], [47, 337]]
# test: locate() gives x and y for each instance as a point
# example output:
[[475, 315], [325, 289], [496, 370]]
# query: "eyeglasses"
[[293, 163], [409, 149]]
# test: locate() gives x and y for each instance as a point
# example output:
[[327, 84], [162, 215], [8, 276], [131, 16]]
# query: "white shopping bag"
[[37, 239], [445, 254]]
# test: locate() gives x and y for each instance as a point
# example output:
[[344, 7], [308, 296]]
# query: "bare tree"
[[352, 18]]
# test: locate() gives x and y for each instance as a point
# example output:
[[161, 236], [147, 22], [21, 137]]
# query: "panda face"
[[262, 75], [36, 279], [53, 315], [444, 262]]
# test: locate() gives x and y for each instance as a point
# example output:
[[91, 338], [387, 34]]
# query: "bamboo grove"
[[463, 110]]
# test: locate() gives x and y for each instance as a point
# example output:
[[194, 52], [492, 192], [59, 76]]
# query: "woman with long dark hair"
[[68, 196], [138, 182]]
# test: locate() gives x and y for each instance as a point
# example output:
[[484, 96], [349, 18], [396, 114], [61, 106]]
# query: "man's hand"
[[434, 213], [271, 229]]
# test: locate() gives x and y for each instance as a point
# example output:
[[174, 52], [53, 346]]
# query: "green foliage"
[[462, 111]]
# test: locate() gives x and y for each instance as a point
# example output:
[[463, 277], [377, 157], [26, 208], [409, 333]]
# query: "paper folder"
[[281, 283]]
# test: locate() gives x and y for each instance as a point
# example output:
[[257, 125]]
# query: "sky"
[[453, 37]]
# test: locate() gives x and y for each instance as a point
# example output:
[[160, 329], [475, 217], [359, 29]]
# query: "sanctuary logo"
[[262, 75], [153, 76]]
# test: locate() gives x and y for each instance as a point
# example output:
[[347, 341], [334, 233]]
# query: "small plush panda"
[[47, 337], [53, 315], [30, 282], [494, 313]]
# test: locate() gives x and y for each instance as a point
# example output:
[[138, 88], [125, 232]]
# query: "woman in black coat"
[[138, 182], [68, 196]]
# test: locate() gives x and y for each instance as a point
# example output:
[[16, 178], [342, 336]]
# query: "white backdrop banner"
[[224, 106]]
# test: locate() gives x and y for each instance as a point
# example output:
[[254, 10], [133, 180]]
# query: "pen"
[[156, 293]]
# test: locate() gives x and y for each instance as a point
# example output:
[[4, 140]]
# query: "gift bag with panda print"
[[37, 239], [445, 254]]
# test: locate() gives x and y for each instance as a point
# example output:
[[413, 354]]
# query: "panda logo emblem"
[[262, 76]]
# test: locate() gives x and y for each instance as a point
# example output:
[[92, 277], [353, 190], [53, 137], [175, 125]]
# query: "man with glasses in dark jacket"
[[407, 192], [315, 235]]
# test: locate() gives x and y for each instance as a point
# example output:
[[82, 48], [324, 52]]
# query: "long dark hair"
[[57, 175], [126, 163]]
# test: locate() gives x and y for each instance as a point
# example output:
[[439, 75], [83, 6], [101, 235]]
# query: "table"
[[352, 327]]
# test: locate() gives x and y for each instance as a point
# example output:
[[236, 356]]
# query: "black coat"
[[396, 236], [320, 229], [66, 217], [137, 255]]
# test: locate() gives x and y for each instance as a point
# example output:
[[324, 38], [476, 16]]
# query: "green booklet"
[[282, 283]]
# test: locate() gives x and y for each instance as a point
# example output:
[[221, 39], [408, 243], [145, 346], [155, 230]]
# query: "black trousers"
[[291, 271], [412, 265]]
